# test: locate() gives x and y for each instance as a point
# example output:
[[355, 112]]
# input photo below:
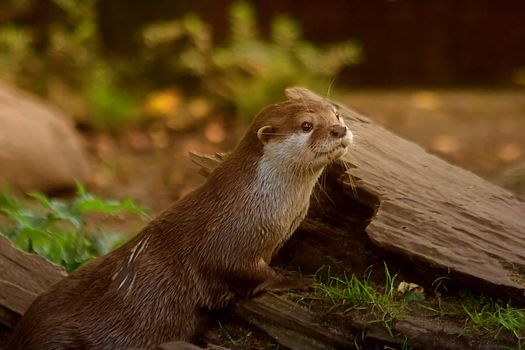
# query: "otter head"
[[304, 132]]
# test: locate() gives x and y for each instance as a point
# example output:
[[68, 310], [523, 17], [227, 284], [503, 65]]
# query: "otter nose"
[[338, 131]]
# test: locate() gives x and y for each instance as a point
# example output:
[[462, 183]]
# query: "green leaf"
[[414, 296], [54, 228], [89, 203]]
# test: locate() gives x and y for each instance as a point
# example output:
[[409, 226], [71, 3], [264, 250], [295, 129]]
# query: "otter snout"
[[338, 130], [342, 132]]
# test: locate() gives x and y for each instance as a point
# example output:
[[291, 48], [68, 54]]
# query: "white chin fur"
[[348, 139], [326, 158], [288, 149], [296, 149]]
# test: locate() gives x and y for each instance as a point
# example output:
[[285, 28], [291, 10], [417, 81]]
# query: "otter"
[[209, 247]]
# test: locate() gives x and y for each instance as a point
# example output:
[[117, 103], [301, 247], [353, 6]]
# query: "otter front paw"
[[281, 283]]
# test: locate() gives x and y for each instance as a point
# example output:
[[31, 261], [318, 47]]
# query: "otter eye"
[[337, 115], [306, 126]]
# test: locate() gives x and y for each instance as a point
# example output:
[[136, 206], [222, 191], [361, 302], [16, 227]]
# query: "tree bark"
[[22, 277]]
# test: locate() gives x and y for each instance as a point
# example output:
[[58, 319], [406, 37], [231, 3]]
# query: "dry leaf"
[[163, 103], [426, 100], [445, 144], [509, 152], [405, 287], [214, 132], [158, 135]]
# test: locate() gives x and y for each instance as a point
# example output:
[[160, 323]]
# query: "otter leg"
[[280, 282], [250, 283]]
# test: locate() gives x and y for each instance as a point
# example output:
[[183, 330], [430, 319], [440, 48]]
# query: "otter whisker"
[[329, 90], [353, 185], [314, 192], [324, 191], [275, 134]]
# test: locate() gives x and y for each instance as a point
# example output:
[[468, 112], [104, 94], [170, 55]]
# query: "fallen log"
[[427, 210], [22, 277], [299, 329], [291, 325]]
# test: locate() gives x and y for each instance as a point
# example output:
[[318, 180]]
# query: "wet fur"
[[199, 254]]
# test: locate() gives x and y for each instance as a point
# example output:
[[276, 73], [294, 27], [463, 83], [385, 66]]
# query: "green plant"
[[63, 60], [111, 107], [479, 313], [486, 315], [248, 71], [57, 229], [227, 334], [14, 48], [361, 294]]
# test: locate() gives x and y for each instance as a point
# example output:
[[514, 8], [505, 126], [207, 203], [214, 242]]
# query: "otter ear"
[[300, 93], [263, 134]]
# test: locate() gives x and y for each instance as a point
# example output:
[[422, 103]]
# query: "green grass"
[[227, 334], [383, 302], [479, 313], [60, 230], [493, 317]]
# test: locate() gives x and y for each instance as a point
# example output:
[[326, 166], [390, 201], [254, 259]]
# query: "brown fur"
[[196, 256]]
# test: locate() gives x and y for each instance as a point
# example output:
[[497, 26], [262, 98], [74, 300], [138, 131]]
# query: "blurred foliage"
[[63, 59], [249, 71], [64, 62], [57, 229]]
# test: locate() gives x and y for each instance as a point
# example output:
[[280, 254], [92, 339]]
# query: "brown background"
[[432, 42]]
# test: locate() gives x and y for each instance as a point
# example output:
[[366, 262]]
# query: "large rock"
[[39, 149]]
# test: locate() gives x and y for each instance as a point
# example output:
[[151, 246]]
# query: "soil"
[[479, 130]]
